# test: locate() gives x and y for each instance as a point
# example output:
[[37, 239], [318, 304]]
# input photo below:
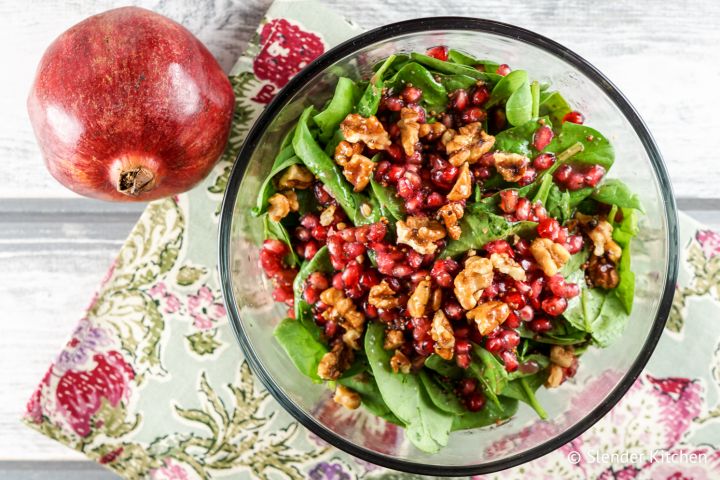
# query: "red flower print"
[[79, 394], [285, 49], [34, 410]]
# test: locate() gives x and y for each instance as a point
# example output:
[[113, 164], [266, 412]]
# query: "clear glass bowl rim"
[[418, 26]]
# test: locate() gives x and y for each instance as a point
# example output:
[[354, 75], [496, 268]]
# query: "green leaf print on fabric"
[[204, 342]]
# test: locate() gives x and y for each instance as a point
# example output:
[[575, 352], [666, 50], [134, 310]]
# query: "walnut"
[[504, 264], [358, 171], [470, 282], [487, 316], [555, 377], [563, 356], [436, 299], [382, 296], [442, 333], [345, 151], [346, 397], [549, 255], [420, 233], [400, 363], [356, 128], [419, 299], [431, 131], [601, 272], [463, 185], [296, 176], [335, 362], [343, 311], [468, 144], [281, 204], [601, 237], [511, 166], [393, 339], [451, 213], [409, 129], [328, 215]]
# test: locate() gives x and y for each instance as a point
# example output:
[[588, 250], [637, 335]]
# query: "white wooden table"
[[55, 246]]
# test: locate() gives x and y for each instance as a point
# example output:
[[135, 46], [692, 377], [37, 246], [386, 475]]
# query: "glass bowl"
[[604, 375]]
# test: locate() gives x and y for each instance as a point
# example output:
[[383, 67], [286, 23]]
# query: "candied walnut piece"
[[432, 131], [563, 356], [281, 204], [346, 397], [382, 296], [436, 299], [451, 213], [470, 282], [358, 171], [504, 264], [555, 377], [549, 255], [296, 176], [442, 333], [463, 185], [420, 233], [335, 362], [487, 316], [511, 166], [601, 272], [400, 363], [409, 129], [328, 215], [345, 151], [603, 242], [356, 128], [393, 339], [419, 299], [467, 144], [343, 311], [331, 296]]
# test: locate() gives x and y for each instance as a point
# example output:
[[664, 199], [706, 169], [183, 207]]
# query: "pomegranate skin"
[[128, 105]]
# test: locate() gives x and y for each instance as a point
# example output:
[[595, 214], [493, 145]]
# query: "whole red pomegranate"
[[128, 105]]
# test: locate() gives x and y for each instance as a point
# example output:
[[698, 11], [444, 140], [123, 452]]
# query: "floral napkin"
[[152, 383]]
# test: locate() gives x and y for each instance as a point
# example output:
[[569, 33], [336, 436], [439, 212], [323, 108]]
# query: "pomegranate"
[[128, 105]]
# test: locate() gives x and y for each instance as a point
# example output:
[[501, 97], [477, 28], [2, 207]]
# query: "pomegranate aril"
[[562, 174], [472, 114], [395, 173], [393, 104], [411, 94], [539, 212], [514, 300], [275, 247], [453, 310], [528, 177], [554, 306], [593, 175], [440, 52], [574, 117], [424, 347], [462, 346], [576, 181], [544, 161], [311, 248], [369, 279], [574, 244], [462, 361], [503, 69], [283, 294], [540, 325], [522, 210], [467, 386], [494, 344], [526, 313], [377, 232], [499, 246], [311, 295], [337, 281], [509, 200], [475, 402], [480, 95], [371, 311], [435, 200], [401, 271], [542, 138], [321, 195], [512, 321], [459, 99], [318, 281], [331, 328], [353, 249], [510, 360], [548, 228]]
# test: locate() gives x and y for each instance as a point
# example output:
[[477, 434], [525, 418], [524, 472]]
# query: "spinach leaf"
[[398, 62], [447, 67], [302, 348], [519, 106], [562, 333], [596, 148], [615, 192], [598, 312], [342, 103], [542, 362], [277, 231], [434, 96], [287, 140], [543, 190], [623, 235], [370, 100], [319, 263], [558, 204], [554, 106], [426, 427], [462, 58], [480, 227], [285, 159], [323, 167], [441, 396], [524, 389], [506, 86], [491, 414], [303, 315], [364, 384], [443, 367], [334, 141], [494, 375], [535, 95], [455, 82], [519, 139], [390, 205]]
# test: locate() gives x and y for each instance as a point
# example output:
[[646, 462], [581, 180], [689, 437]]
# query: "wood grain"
[[55, 247]]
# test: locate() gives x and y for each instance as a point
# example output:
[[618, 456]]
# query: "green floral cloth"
[[152, 383]]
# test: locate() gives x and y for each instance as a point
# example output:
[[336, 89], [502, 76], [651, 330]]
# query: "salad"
[[446, 242]]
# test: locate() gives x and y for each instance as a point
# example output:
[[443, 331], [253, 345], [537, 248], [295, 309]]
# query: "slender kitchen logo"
[[627, 457]]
